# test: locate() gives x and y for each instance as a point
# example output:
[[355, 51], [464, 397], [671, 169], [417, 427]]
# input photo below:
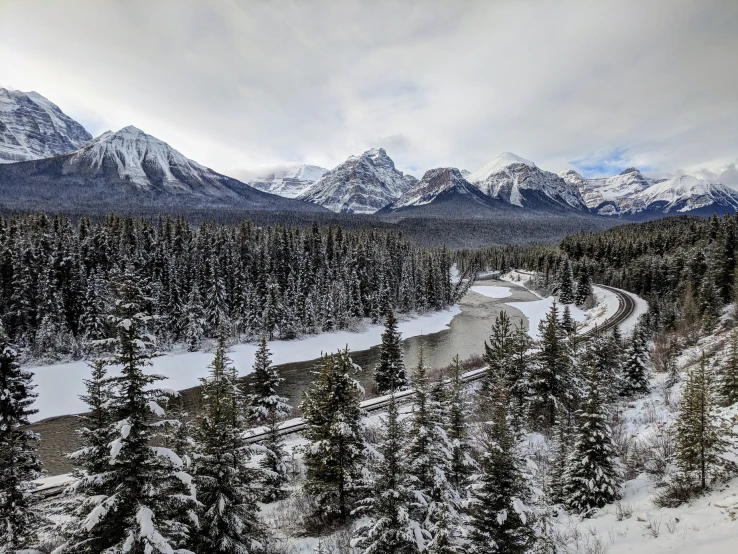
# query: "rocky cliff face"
[[362, 184], [31, 127]]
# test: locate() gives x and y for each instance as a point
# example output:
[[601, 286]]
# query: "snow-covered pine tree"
[[391, 528], [194, 319], [19, 460], [499, 517], [429, 450], [389, 373], [143, 498], [320, 548], [518, 373], [636, 364], [698, 434], [96, 432], [332, 413], [564, 434], [551, 385], [728, 382], [216, 303], [265, 407], [592, 477], [584, 288], [93, 323], [497, 355], [226, 485], [457, 429], [564, 283], [567, 321]]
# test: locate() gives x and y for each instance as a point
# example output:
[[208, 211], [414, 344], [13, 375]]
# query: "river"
[[465, 336]]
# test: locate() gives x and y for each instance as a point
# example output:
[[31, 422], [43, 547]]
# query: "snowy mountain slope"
[[631, 193], [32, 127], [289, 182], [128, 166], [688, 194], [438, 185], [520, 182], [362, 184]]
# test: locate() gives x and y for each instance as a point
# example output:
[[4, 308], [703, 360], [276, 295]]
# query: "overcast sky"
[[594, 85]]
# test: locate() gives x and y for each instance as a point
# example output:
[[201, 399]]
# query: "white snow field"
[[536, 311], [59, 385], [492, 291]]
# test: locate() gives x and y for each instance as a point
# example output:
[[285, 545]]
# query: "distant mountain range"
[[49, 161]]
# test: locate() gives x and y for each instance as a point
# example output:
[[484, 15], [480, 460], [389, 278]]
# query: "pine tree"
[[499, 517], [143, 499], [584, 288], [635, 368], [389, 373], [728, 383], [266, 407], [320, 548], [96, 431], [19, 460], [443, 534], [564, 284], [228, 520], [551, 384], [592, 477], [497, 355], [567, 321], [457, 430], [194, 320], [698, 435], [391, 528], [333, 459], [564, 433], [428, 449]]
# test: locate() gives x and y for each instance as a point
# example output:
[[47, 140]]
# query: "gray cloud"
[[237, 85]]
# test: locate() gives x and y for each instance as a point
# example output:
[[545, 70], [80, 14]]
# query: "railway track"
[[626, 307]]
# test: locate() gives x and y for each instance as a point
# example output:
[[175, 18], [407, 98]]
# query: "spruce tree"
[[19, 460], [567, 321], [457, 429], [635, 368], [584, 288], [429, 449], [699, 437], [564, 434], [391, 528], [499, 517], [333, 459], [564, 284], [226, 485], [592, 477], [728, 382], [194, 320], [551, 385], [265, 407], [389, 373], [497, 355], [143, 499]]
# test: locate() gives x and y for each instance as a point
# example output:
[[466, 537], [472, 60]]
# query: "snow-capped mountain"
[[631, 193], [442, 184], [522, 183], [129, 166], [32, 127], [688, 194], [362, 184], [289, 182], [615, 195]]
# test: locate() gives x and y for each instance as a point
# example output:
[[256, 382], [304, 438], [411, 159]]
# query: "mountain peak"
[[32, 127], [499, 164], [629, 170]]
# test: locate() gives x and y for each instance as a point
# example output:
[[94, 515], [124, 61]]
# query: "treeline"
[[685, 267], [242, 281]]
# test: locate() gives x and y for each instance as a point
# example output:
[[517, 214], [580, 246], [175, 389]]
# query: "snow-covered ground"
[[492, 291], [536, 311], [59, 385]]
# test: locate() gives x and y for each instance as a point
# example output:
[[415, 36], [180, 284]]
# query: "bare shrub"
[[653, 526], [623, 511], [659, 450], [681, 489]]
